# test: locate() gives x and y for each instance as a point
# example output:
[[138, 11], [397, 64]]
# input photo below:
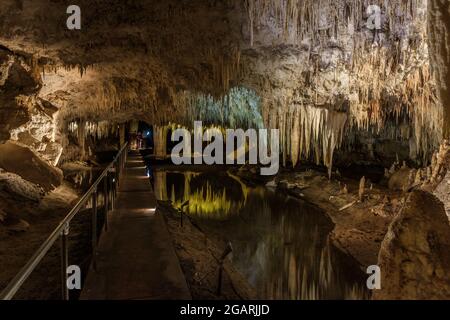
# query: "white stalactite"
[[316, 133]]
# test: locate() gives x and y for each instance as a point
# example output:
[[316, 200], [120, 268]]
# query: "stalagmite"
[[362, 189], [122, 135]]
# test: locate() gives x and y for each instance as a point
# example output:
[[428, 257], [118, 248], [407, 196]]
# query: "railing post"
[[94, 229], [64, 262], [105, 191], [113, 194], [117, 166]]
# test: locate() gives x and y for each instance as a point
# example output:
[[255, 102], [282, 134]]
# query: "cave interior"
[[357, 91]]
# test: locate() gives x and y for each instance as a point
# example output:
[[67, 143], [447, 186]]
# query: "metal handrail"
[[62, 230]]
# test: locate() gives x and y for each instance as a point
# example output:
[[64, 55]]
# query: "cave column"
[[160, 141], [122, 134], [82, 138], [161, 185]]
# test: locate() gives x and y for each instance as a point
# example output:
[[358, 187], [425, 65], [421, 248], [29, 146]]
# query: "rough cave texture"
[[18, 81], [339, 92], [439, 43], [319, 74], [439, 28], [23, 162], [415, 255]]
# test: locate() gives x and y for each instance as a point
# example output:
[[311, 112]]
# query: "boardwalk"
[[136, 259]]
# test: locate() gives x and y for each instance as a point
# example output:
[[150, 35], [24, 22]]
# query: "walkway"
[[136, 259]]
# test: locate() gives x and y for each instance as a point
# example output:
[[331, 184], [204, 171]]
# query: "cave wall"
[[320, 78], [18, 81], [28, 147], [439, 43], [330, 61]]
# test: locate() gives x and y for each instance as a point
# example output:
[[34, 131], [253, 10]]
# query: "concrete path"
[[136, 259]]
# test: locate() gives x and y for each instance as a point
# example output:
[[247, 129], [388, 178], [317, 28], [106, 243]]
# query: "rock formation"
[[23, 162], [314, 71], [338, 90], [439, 28], [415, 255]]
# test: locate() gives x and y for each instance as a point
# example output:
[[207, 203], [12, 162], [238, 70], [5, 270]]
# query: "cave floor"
[[16, 248], [136, 259]]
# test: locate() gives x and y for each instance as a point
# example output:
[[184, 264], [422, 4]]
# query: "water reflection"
[[83, 179], [280, 244], [210, 196]]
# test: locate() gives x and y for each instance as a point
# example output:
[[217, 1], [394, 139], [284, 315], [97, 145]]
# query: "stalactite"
[[391, 93], [160, 140], [316, 133], [308, 19], [81, 129], [296, 137], [395, 85]]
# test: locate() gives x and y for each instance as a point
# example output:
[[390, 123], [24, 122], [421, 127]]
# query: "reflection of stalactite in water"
[[306, 266], [326, 267], [279, 246], [160, 185], [205, 201]]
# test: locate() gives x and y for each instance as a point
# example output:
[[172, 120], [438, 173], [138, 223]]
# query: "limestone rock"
[[439, 27], [17, 189], [415, 255], [400, 180], [38, 132], [18, 82], [23, 162], [443, 193]]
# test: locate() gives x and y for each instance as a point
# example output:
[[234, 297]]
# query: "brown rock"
[[16, 79], [415, 254], [400, 180], [23, 162], [438, 29], [20, 226], [2, 216]]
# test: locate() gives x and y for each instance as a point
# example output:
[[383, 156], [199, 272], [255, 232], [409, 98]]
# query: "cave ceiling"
[[316, 67], [138, 53]]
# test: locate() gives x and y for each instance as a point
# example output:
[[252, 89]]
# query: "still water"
[[280, 244]]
